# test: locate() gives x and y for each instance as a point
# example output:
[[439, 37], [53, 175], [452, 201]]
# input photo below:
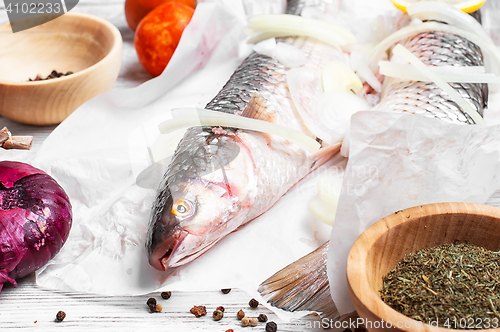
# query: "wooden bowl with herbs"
[[436, 263], [83, 51]]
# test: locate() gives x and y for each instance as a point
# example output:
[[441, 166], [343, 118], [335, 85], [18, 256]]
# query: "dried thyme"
[[453, 286]]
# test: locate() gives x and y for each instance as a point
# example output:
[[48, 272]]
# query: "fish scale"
[[247, 79], [426, 98]]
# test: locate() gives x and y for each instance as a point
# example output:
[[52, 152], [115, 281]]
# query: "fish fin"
[[257, 108], [324, 154], [302, 285]]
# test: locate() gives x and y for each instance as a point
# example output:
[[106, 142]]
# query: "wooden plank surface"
[[29, 307]]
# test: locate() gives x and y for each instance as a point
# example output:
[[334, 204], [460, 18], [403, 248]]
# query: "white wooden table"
[[30, 307]]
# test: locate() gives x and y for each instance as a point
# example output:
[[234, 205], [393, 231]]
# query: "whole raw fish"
[[303, 285], [221, 178]]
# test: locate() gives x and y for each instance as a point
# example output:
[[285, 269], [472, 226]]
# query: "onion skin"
[[35, 219]]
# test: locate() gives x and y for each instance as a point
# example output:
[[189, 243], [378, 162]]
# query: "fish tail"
[[324, 154], [302, 286]]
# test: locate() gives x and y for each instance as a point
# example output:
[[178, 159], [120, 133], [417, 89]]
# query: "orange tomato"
[[158, 35], [136, 10]]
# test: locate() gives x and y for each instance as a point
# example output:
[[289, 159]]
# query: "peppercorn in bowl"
[[50, 70], [429, 268]]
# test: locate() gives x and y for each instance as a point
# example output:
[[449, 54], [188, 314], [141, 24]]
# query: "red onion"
[[35, 219]]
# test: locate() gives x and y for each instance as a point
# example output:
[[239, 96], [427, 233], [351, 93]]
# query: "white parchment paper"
[[100, 151], [398, 161]]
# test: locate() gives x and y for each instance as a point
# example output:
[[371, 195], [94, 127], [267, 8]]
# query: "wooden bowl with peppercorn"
[[436, 263], [69, 60]]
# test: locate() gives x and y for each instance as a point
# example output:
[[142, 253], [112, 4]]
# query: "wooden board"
[[32, 307]]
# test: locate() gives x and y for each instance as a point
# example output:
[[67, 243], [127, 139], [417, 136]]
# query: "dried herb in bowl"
[[453, 286]]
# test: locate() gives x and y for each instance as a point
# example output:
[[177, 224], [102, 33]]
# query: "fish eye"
[[182, 208]]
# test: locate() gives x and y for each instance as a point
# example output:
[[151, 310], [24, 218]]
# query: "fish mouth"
[[161, 255], [191, 257]]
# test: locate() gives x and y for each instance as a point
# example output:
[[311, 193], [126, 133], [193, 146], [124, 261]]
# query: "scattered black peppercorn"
[[217, 315], [166, 295], [53, 74], [262, 318], [151, 304], [60, 316], [225, 290], [221, 308], [253, 303], [271, 327]]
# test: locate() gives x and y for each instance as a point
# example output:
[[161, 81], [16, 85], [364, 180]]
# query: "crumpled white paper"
[[101, 150], [397, 161], [98, 153]]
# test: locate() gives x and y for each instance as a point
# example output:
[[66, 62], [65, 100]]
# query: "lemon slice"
[[468, 6]]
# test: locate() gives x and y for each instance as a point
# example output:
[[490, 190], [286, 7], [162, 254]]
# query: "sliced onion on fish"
[[304, 88], [338, 76], [369, 77], [266, 26], [324, 205], [359, 61], [454, 74], [492, 53], [323, 210], [289, 55], [335, 108], [400, 50], [190, 117], [443, 12], [344, 149], [266, 47], [326, 114]]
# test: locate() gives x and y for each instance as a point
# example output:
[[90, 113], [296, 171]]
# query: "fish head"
[[195, 203]]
